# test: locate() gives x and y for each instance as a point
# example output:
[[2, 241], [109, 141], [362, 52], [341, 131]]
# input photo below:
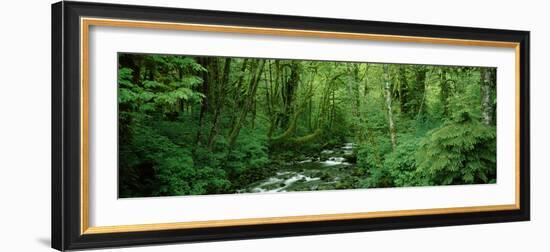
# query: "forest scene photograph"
[[198, 125]]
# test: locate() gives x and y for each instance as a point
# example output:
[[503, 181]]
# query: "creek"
[[324, 172]]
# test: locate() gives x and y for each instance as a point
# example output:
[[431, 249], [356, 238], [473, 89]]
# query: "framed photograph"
[[182, 125]]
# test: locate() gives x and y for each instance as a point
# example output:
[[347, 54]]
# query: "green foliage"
[[392, 168], [249, 160], [206, 125], [169, 170], [401, 164], [155, 157], [462, 151]]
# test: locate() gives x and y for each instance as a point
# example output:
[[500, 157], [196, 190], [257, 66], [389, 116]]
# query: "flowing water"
[[324, 172]]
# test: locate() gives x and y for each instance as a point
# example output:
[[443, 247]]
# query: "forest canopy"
[[192, 125]]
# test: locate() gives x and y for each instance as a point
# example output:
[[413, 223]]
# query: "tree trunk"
[[388, 97], [363, 117], [487, 82], [420, 86], [402, 91], [353, 91], [366, 87], [204, 103], [332, 109], [287, 138], [213, 80], [249, 102], [444, 92], [288, 92]]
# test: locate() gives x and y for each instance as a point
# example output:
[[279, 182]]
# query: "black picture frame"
[[66, 114]]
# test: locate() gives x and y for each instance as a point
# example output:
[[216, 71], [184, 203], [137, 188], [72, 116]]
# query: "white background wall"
[[25, 125]]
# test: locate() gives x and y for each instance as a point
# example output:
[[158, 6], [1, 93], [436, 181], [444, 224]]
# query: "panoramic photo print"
[[198, 125]]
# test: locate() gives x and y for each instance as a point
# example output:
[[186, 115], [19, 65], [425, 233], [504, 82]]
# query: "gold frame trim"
[[85, 24]]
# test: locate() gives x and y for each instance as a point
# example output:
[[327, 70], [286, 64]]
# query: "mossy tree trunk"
[[388, 97]]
